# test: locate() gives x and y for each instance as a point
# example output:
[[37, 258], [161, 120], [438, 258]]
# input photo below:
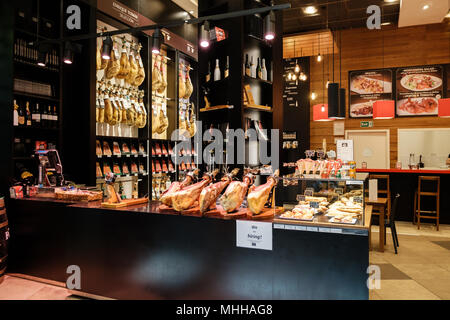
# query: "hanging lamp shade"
[[320, 112], [333, 100], [444, 108], [384, 109]]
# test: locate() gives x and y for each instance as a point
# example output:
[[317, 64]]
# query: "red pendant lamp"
[[320, 112], [384, 109], [444, 108]]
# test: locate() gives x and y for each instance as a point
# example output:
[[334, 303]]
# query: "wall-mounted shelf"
[[220, 107], [258, 107], [247, 78], [35, 96]]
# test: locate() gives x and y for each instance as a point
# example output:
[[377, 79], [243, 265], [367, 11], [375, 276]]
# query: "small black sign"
[[314, 204]]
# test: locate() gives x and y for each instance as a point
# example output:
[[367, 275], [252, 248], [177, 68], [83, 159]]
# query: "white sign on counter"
[[254, 235], [344, 150]]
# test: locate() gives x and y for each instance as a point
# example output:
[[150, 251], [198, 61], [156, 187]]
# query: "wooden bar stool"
[[417, 201], [383, 193]]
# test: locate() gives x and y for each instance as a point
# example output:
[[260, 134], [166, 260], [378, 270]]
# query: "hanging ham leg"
[[235, 194], [166, 197], [186, 197], [209, 195], [257, 196]]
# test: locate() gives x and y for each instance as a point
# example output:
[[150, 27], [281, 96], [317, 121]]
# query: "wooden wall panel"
[[364, 49]]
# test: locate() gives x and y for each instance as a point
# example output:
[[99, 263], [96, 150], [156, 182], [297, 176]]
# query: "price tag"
[[357, 199], [254, 235], [309, 192], [339, 190], [314, 204], [300, 197], [320, 154], [310, 153]]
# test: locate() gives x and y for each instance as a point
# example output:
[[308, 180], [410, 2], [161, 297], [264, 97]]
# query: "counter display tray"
[[294, 219], [124, 203], [354, 220], [267, 213]]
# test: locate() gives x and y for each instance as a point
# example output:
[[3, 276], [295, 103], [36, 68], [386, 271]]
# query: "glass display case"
[[330, 201]]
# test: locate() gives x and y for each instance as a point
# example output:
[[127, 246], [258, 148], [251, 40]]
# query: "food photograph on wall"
[[366, 87], [418, 90]]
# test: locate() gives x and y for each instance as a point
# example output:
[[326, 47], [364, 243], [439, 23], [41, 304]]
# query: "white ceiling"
[[412, 13]]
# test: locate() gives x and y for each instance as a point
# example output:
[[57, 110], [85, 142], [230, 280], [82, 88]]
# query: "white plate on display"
[[362, 110], [420, 82], [353, 221], [372, 85], [417, 106]]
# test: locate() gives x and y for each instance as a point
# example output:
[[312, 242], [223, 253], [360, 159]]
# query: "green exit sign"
[[366, 124]]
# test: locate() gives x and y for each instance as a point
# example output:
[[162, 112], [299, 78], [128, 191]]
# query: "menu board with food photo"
[[366, 87], [418, 90]]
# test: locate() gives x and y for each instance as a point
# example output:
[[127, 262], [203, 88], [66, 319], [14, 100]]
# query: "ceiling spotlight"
[[426, 7], [310, 10], [106, 48], [68, 53], [269, 26], [157, 40], [204, 35]]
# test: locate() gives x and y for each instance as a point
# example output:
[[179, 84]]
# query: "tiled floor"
[[420, 270]]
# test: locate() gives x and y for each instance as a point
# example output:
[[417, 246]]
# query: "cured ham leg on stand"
[[257, 196], [186, 197], [166, 197], [209, 195], [235, 194]]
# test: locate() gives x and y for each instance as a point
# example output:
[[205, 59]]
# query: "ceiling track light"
[[42, 58], [157, 41], [107, 47], [269, 26], [205, 35]]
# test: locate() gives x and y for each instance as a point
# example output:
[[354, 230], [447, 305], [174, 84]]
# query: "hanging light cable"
[[319, 57]]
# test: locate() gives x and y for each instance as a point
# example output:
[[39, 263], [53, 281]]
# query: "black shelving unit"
[[230, 91]]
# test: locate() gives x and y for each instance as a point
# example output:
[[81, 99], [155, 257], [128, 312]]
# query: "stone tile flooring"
[[420, 270]]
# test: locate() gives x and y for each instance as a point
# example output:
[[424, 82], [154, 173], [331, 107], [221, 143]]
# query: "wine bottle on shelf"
[[252, 68], [258, 70], [208, 75], [55, 118], [247, 66], [21, 116], [15, 114], [217, 71], [49, 117], [36, 116], [28, 114], [227, 68], [44, 118], [264, 70]]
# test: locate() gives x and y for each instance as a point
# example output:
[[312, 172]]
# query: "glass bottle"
[[264, 70], [227, 68], [217, 71], [258, 70]]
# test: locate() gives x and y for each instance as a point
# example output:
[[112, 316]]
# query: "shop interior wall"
[[363, 49]]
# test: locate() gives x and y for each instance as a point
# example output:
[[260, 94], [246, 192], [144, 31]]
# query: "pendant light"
[[333, 92], [204, 35], [320, 111], [106, 48], [444, 108], [313, 95], [157, 40], [68, 53], [269, 25], [319, 57], [42, 55], [339, 93], [383, 109]]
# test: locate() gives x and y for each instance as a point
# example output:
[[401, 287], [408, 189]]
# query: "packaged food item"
[[133, 149], [141, 148], [116, 149], [125, 148], [116, 169], [134, 168], [98, 148], [125, 169], [106, 149], [98, 170], [106, 168]]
